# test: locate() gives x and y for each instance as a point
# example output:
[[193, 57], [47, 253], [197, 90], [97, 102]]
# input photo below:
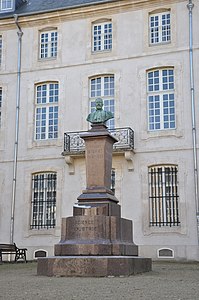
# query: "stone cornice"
[[93, 10]]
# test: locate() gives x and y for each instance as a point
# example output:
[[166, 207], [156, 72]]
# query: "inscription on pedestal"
[[95, 167], [84, 226], [93, 153]]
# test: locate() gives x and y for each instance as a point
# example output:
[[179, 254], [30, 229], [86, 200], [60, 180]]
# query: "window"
[[40, 253], [163, 196], [113, 180], [1, 49], [160, 28], [46, 113], [6, 4], [0, 104], [43, 200], [48, 44], [102, 37], [103, 87], [161, 103]]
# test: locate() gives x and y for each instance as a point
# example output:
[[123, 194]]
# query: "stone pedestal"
[[96, 241]]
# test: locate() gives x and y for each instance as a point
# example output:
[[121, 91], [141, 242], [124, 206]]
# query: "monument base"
[[96, 241], [93, 266]]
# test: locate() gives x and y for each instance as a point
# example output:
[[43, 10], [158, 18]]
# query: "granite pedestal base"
[[92, 266]]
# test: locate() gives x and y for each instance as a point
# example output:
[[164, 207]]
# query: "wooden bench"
[[20, 253]]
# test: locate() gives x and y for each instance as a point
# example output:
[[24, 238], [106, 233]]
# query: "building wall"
[[75, 64]]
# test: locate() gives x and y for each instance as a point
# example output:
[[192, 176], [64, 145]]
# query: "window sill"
[[41, 232], [161, 134], [160, 44], [47, 59], [164, 229], [45, 143], [101, 51]]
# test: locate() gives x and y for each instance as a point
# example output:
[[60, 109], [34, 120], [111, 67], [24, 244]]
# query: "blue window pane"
[[157, 126]]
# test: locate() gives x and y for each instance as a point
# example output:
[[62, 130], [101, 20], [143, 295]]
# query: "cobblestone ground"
[[176, 281]]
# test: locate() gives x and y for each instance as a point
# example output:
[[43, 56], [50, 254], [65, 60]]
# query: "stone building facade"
[[55, 59]]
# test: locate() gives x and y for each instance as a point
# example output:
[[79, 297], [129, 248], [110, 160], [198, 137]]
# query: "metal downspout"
[[19, 33], [190, 6]]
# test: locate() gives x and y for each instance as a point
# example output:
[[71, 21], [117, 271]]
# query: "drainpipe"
[[19, 33], [190, 6]]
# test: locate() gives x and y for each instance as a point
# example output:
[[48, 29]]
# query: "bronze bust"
[[99, 115]]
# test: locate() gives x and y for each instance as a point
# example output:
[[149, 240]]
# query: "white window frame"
[[163, 196], [46, 111], [161, 99], [160, 33], [43, 202], [1, 98], [48, 47], [103, 87], [1, 49], [102, 36], [5, 3]]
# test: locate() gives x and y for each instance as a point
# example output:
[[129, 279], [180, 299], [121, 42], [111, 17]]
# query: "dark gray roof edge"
[[9, 15]]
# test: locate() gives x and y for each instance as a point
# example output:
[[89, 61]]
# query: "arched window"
[[163, 195], [46, 111], [43, 203], [160, 27], [165, 253], [161, 99], [40, 253], [102, 35], [103, 87], [48, 43]]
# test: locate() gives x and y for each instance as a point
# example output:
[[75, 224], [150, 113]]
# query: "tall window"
[[48, 44], [160, 28], [6, 4], [43, 200], [163, 196], [113, 180], [1, 49], [102, 37], [46, 113], [0, 104], [161, 102], [103, 87]]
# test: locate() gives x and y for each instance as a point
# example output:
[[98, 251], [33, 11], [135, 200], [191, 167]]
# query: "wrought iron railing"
[[73, 144]]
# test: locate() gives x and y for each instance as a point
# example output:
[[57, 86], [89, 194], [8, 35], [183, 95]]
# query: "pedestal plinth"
[[96, 241], [99, 147]]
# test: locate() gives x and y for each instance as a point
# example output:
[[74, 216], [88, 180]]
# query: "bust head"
[[99, 104]]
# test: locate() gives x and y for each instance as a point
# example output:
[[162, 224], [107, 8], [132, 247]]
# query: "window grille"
[[103, 87], [48, 44], [43, 200], [161, 99], [160, 28], [102, 36], [46, 113], [163, 196]]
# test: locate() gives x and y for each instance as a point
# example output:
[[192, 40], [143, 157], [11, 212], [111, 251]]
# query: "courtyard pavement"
[[167, 280]]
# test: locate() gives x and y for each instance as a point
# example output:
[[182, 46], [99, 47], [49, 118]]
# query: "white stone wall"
[[128, 61]]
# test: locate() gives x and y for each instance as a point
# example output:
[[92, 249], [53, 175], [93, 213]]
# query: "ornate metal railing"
[[73, 144]]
